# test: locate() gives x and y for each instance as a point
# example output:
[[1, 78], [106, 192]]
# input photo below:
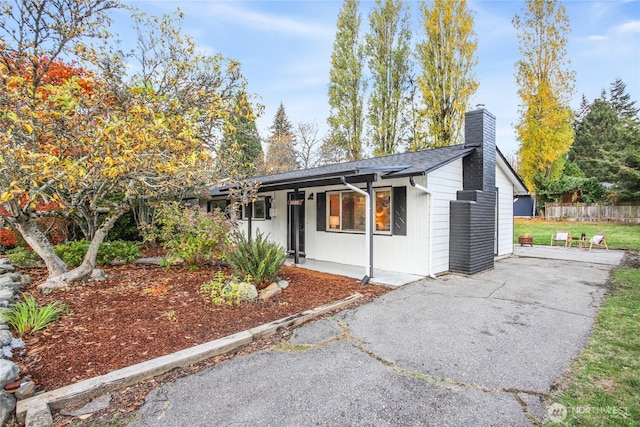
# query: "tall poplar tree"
[[347, 83], [546, 84], [281, 152], [447, 58], [387, 48]]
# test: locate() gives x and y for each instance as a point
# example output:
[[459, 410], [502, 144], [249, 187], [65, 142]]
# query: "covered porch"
[[380, 277]]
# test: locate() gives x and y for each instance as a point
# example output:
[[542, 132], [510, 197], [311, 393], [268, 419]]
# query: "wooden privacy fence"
[[592, 212]]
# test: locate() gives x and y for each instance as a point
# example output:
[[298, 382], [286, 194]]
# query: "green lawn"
[[603, 385], [619, 236]]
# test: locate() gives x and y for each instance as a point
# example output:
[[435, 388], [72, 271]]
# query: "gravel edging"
[[34, 410]]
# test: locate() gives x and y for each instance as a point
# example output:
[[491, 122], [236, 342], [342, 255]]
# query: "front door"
[[291, 207]]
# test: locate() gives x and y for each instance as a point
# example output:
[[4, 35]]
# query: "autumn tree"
[[545, 85], [281, 153], [347, 83], [446, 57], [93, 153], [388, 53]]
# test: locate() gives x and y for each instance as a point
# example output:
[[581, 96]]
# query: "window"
[[221, 205], [259, 209], [346, 211]]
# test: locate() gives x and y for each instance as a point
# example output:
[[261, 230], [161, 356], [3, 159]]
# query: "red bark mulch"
[[144, 311]]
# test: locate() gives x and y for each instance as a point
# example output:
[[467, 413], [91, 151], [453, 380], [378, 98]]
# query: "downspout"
[[368, 235], [430, 219]]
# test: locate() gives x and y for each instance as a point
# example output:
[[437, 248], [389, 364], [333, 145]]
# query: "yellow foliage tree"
[[447, 58], [545, 87], [96, 145]]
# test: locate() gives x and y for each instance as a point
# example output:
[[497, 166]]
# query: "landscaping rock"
[[8, 281], [7, 406], [7, 268], [5, 337], [7, 294], [283, 284], [25, 390], [98, 275], [7, 353], [4, 261], [17, 343], [25, 279], [269, 292], [8, 372], [247, 291], [39, 416]]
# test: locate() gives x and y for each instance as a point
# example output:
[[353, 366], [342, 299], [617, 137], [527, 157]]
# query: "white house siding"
[[505, 213], [394, 253], [444, 183]]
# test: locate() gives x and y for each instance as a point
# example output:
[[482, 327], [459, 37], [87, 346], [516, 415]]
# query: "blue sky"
[[285, 48]]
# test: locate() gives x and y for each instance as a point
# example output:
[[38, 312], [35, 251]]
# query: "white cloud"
[[270, 22], [597, 38], [631, 27]]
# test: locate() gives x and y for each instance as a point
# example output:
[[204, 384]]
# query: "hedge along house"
[[422, 213]]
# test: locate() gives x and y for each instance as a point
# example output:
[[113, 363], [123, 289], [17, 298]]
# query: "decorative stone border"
[[36, 411], [11, 283]]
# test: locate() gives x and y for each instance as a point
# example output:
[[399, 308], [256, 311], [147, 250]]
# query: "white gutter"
[[430, 219], [368, 235]]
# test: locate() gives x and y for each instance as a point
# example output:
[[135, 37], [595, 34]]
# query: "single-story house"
[[423, 212]]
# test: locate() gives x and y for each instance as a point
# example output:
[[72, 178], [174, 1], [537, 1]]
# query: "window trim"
[[373, 219]]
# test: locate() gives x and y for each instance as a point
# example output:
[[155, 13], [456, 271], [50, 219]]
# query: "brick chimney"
[[472, 215]]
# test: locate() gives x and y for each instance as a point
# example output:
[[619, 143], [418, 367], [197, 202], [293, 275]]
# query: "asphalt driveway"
[[481, 350]]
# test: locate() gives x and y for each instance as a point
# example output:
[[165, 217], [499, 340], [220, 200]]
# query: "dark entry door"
[[290, 220]]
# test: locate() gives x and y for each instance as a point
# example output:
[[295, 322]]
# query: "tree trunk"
[[28, 228], [89, 261]]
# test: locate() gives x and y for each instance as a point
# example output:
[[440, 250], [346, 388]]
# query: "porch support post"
[[250, 209], [296, 228], [370, 210]]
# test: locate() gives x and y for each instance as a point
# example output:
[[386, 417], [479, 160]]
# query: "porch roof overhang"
[[357, 172]]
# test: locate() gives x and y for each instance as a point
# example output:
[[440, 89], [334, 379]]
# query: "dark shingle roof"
[[393, 166]]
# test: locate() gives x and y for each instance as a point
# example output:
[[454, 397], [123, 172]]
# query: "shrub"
[[26, 317], [118, 250], [221, 293], [8, 238], [189, 233], [23, 257], [259, 258], [73, 252]]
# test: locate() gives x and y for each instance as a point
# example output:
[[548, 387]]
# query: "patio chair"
[[561, 236], [599, 240]]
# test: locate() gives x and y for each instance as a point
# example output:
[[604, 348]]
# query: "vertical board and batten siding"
[[505, 213]]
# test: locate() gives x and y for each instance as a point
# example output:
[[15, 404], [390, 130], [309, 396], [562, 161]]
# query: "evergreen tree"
[[621, 101], [447, 58], [242, 139], [347, 83], [281, 152], [607, 142], [387, 47], [545, 88], [598, 132]]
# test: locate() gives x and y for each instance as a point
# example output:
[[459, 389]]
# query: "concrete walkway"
[[479, 350]]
